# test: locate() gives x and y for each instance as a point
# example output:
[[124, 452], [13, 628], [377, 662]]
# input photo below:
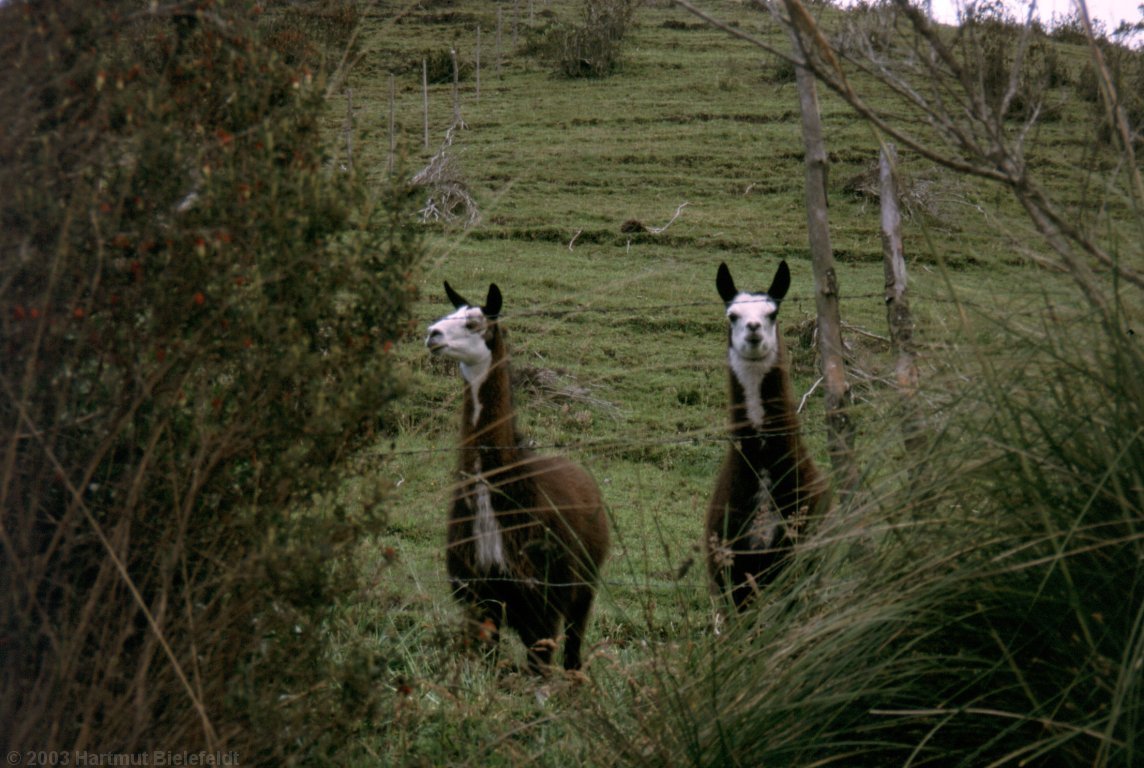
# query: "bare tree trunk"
[[839, 428], [898, 315]]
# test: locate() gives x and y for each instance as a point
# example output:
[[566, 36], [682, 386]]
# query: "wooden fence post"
[[392, 124], [898, 306], [515, 21], [456, 88], [348, 129], [498, 42], [425, 96]]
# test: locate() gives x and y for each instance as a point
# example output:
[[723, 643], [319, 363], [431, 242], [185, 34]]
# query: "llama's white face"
[[464, 335], [753, 336], [461, 336], [753, 319]]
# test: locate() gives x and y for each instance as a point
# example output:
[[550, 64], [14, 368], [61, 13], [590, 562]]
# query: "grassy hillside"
[[618, 344]]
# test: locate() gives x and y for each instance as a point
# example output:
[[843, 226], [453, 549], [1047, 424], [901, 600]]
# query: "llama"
[[527, 534], [768, 484]]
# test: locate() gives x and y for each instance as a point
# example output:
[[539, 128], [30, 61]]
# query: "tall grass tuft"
[[989, 612]]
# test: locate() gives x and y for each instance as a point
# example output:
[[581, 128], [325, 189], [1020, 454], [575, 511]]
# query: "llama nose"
[[434, 339], [754, 327]]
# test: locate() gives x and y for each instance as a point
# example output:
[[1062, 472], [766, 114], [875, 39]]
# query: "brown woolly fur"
[[768, 484], [550, 523]]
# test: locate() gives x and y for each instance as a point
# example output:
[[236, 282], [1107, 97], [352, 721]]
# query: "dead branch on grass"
[[658, 230], [448, 197]]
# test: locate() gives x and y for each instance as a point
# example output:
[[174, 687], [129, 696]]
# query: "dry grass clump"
[[984, 608], [447, 196]]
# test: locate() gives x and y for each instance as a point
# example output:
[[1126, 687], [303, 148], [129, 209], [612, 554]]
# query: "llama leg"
[[483, 624], [575, 628], [744, 591], [539, 637]]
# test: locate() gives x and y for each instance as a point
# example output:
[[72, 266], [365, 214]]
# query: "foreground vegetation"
[[977, 603]]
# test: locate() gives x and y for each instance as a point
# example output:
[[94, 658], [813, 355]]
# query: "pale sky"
[[1111, 12]]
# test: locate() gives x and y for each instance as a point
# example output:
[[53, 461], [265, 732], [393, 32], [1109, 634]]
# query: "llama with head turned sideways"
[[768, 484], [527, 534]]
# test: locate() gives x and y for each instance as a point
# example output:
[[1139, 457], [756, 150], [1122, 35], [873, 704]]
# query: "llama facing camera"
[[768, 485], [527, 534]]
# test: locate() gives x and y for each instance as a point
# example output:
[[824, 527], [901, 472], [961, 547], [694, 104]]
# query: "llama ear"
[[457, 299], [725, 284], [781, 284], [493, 303]]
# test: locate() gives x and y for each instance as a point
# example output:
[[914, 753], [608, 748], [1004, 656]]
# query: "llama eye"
[[733, 317], [473, 325], [773, 315]]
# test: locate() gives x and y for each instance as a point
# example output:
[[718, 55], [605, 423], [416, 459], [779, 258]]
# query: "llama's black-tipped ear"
[[493, 303], [725, 284], [781, 284], [457, 299]]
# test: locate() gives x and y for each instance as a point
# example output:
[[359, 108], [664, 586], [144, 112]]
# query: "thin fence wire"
[[650, 308]]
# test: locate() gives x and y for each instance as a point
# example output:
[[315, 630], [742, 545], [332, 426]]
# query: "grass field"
[[618, 343]]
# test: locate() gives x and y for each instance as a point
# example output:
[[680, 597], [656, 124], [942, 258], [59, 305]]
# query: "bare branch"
[[658, 230]]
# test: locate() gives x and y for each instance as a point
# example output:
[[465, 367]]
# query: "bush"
[[592, 47], [991, 40], [196, 317], [1126, 73], [438, 66], [310, 33]]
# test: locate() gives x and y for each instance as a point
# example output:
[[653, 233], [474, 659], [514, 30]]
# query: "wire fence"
[[714, 432]]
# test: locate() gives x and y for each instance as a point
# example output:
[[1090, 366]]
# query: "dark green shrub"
[[1069, 28], [1126, 73], [991, 40], [783, 72], [196, 317], [310, 33], [590, 47], [438, 66]]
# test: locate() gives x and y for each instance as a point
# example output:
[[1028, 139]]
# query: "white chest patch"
[[750, 374], [487, 536], [475, 375], [765, 524], [486, 530]]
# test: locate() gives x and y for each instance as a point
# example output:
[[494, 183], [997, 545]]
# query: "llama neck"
[[474, 376], [759, 395], [747, 402], [488, 447], [489, 419]]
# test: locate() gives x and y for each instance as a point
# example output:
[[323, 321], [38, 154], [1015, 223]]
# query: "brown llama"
[[768, 484], [527, 534]]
